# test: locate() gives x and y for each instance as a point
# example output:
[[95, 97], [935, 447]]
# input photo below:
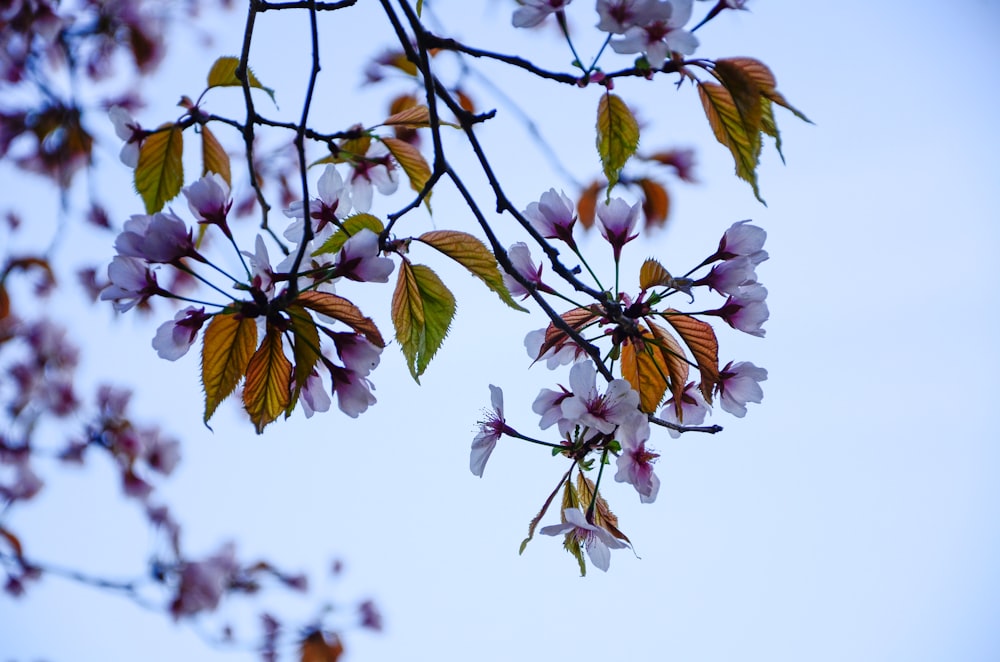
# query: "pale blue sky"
[[851, 516]]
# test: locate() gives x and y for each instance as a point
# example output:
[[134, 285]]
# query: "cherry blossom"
[[533, 12], [738, 385], [491, 428], [374, 169], [203, 583], [741, 239], [209, 201], [313, 395], [160, 238], [359, 259], [354, 395], [746, 310], [618, 221], [520, 259], [316, 271], [548, 405], [552, 216], [131, 283], [693, 409], [358, 354], [333, 204], [588, 408], [127, 129], [554, 356], [635, 464], [729, 276], [174, 338], [262, 276], [617, 16], [597, 541], [660, 32]]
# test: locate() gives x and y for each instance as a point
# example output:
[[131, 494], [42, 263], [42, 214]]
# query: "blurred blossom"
[[203, 583], [127, 129], [533, 12]]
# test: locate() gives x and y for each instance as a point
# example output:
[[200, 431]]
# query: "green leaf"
[[420, 7], [474, 256], [413, 164], [214, 157], [228, 344], [729, 129], [267, 390], [223, 74], [617, 136], [351, 226], [159, 174], [305, 345], [422, 310]]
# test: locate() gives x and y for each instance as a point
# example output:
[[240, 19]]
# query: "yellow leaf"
[[413, 117], [268, 380], [729, 129], [159, 174], [223, 74], [653, 274], [305, 347], [412, 162], [617, 136], [474, 256], [213, 157], [228, 344], [342, 310]]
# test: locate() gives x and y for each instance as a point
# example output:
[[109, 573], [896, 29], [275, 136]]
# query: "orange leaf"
[[655, 202], [269, 375], [643, 366], [316, 648], [343, 310], [227, 346], [676, 362], [213, 157], [700, 339], [586, 205]]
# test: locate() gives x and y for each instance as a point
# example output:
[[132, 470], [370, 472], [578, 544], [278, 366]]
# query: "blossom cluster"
[[594, 425]]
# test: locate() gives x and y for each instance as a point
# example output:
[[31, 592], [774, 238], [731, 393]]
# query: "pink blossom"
[[533, 12], [596, 540], [374, 169], [618, 221], [548, 405], [590, 409], [635, 464], [127, 129], [174, 338], [313, 395], [552, 216], [162, 455], [491, 428], [742, 239], [359, 259], [262, 275], [520, 259], [160, 238], [554, 356], [729, 276], [131, 283], [357, 352], [693, 409], [316, 271], [739, 383], [746, 310], [354, 392], [617, 16], [660, 33], [203, 583], [333, 204], [209, 201]]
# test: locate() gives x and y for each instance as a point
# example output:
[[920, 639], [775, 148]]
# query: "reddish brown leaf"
[[577, 319], [700, 339], [343, 310], [586, 205], [268, 380]]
